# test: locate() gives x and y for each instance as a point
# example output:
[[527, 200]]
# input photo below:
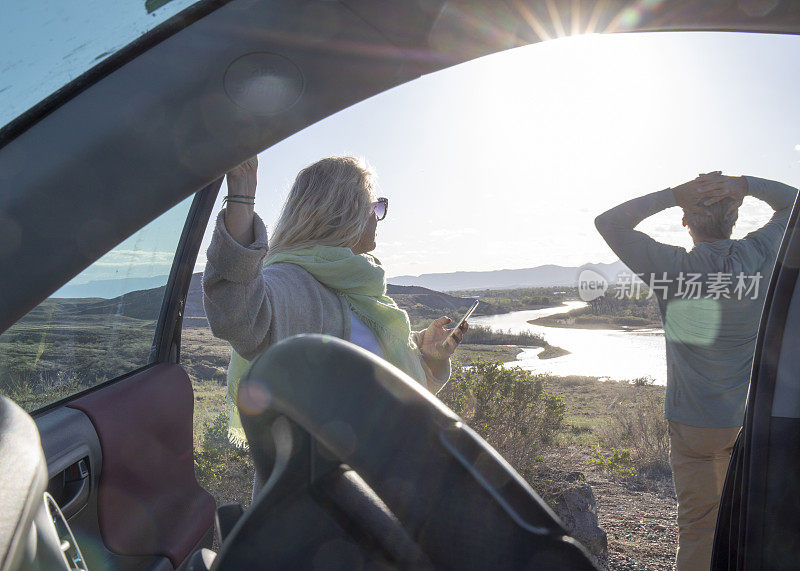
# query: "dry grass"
[[222, 469]]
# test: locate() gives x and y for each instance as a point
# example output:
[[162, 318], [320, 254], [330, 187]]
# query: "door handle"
[[71, 487], [78, 499]]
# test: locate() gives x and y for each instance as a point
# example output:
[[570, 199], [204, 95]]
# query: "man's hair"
[[717, 224], [328, 205]]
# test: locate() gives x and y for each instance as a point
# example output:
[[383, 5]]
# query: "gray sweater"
[[710, 338], [253, 307]]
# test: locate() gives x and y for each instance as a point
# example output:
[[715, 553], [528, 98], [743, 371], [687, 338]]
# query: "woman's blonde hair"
[[328, 205]]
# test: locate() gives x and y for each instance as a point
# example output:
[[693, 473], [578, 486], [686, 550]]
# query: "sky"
[[504, 161], [500, 162]]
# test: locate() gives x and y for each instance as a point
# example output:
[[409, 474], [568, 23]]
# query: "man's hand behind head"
[[688, 196], [715, 187], [710, 204], [708, 189]]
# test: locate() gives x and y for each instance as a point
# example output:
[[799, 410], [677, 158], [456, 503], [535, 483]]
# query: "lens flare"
[[253, 397], [630, 17]]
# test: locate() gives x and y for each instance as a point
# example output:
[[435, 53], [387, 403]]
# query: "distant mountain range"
[[540, 276]]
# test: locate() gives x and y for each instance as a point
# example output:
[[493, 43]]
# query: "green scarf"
[[360, 278]]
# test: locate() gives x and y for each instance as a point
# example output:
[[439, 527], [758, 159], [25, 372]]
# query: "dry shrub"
[[508, 407], [638, 430]]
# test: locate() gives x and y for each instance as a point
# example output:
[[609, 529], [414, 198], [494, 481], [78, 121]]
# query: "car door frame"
[[750, 519], [67, 434], [167, 339]]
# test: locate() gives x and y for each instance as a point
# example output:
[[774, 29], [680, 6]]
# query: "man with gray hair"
[[710, 299]]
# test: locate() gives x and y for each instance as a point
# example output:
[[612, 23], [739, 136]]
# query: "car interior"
[[130, 156]]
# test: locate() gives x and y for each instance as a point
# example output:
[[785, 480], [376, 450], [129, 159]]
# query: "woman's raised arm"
[[234, 292], [239, 205]]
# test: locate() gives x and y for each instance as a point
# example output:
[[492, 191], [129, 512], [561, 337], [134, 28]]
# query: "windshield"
[[548, 181], [48, 43]]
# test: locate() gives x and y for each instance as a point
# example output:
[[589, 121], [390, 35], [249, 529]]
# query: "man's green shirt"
[[710, 338]]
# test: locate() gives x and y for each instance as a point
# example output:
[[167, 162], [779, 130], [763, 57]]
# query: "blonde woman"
[[314, 275]]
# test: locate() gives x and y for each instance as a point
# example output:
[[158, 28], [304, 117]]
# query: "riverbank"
[[469, 352], [603, 351], [504, 353], [577, 319]]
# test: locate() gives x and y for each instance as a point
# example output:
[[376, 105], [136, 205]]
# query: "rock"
[[576, 507]]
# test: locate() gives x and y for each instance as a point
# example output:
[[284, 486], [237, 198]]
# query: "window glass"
[[496, 171], [48, 43], [98, 326]]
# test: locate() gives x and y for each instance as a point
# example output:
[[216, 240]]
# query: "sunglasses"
[[380, 207]]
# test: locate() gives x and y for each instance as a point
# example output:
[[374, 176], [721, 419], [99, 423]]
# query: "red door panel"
[[149, 501]]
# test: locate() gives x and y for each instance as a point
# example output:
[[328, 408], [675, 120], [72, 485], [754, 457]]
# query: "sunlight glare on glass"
[[632, 16], [570, 21]]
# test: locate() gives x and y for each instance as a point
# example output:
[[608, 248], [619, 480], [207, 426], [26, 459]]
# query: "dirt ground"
[[637, 516], [641, 528]]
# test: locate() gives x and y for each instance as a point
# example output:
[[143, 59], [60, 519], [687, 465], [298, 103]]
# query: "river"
[[605, 353]]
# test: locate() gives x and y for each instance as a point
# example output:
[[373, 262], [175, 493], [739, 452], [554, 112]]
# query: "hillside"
[[426, 303], [540, 276], [141, 304], [420, 303]]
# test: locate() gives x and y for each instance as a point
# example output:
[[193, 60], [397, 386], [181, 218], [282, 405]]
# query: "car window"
[[496, 171], [98, 326], [47, 44]]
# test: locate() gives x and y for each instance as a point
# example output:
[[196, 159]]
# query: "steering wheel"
[[358, 465]]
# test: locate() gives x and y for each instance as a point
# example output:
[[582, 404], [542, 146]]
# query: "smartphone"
[[450, 338]]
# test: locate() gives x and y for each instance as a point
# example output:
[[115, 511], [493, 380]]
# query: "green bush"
[[217, 457], [617, 462], [645, 381], [215, 436], [508, 407]]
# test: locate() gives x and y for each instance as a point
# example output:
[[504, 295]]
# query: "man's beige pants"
[[699, 458]]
